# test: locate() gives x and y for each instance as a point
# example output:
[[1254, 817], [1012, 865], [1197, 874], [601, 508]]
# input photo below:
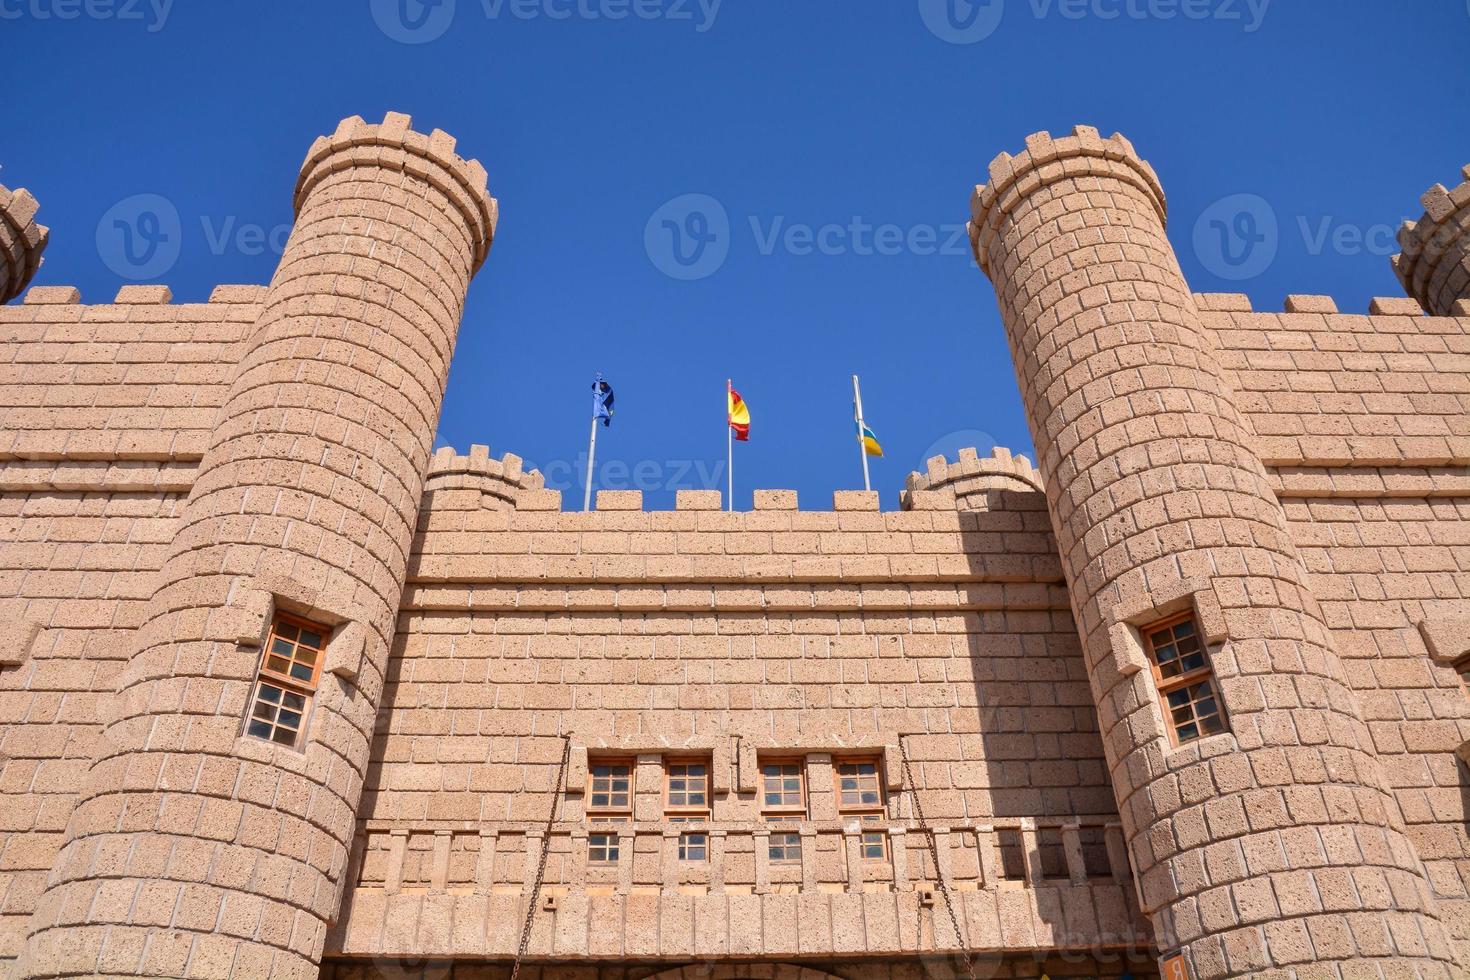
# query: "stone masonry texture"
[[173, 476]]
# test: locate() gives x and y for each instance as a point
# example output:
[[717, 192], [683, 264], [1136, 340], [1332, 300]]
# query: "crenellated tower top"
[[430, 158], [1046, 161], [499, 481], [21, 241], [972, 478], [1434, 265]]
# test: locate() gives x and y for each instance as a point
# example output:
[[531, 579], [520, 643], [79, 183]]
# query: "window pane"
[[785, 847], [294, 651], [693, 847], [610, 789], [1192, 711], [278, 707]]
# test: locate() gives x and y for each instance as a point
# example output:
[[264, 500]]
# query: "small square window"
[[783, 786], [694, 846], [602, 845], [785, 847], [612, 786], [688, 785], [858, 786]]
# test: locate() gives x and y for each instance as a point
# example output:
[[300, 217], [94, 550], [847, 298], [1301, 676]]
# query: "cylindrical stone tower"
[[1434, 266], [1274, 845], [196, 850], [21, 241]]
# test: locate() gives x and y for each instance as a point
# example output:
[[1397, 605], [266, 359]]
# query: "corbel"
[[16, 644], [1196, 593], [577, 767], [1447, 640]]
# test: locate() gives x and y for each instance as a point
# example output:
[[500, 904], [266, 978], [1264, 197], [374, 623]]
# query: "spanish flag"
[[739, 416], [870, 441]]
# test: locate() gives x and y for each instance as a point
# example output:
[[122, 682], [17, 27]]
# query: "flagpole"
[[591, 462], [729, 447], [857, 401]]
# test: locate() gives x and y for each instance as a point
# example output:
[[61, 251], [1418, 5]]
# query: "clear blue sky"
[[1332, 116]]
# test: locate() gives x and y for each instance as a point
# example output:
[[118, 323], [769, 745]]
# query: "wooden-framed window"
[[687, 800], [783, 800], [609, 802], [290, 666], [860, 795], [687, 785], [1184, 678]]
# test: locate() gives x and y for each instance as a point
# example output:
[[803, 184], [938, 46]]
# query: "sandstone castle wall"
[[172, 474]]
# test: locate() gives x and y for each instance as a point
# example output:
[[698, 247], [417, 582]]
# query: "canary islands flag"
[[870, 441], [739, 416]]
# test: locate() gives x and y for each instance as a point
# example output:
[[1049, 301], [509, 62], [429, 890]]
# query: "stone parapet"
[[459, 890], [974, 481], [495, 483]]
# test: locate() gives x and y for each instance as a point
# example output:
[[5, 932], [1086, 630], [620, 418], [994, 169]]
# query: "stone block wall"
[[735, 637], [107, 408], [945, 629]]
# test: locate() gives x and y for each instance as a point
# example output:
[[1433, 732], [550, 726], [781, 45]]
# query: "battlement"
[[430, 158], [500, 482], [1046, 160], [1306, 303], [970, 480], [140, 295], [21, 241], [1434, 265]]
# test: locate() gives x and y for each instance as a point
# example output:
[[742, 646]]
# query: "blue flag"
[[602, 401]]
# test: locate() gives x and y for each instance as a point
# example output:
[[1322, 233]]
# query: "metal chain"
[[561, 772], [954, 919]]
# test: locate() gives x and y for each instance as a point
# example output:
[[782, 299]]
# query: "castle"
[[284, 693]]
